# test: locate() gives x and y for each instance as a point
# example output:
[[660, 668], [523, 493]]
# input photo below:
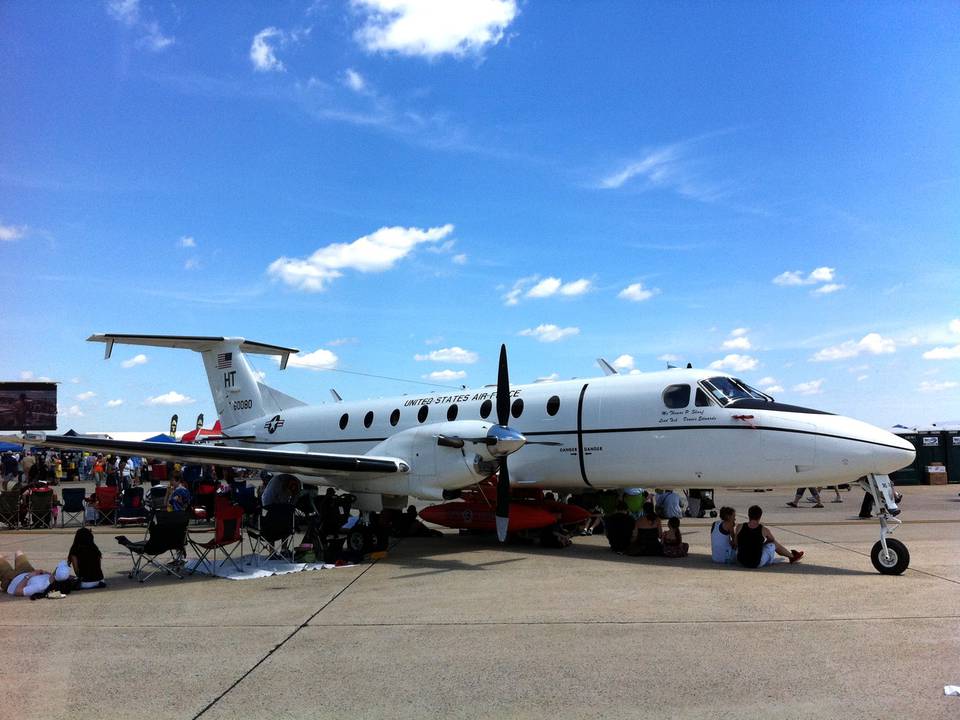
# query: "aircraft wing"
[[276, 460]]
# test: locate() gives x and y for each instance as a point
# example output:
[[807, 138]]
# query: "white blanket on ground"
[[252, 567]]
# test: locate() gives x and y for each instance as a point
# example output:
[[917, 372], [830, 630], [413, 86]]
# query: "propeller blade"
[[503, 389], [503, 501], [549, 443]]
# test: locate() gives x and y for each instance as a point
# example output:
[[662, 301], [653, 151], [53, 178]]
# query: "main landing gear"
[[889, 556]]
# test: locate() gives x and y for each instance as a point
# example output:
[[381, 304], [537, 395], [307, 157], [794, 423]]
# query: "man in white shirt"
[[723, 547]]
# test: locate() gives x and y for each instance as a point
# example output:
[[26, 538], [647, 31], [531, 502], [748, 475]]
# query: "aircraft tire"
[[895, 562]]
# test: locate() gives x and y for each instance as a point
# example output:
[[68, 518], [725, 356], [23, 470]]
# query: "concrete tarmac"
[[461, 627]]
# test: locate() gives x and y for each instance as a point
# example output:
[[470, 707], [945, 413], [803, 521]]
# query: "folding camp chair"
[[166, 533], [73, 508], [157, 495], [275, 534], [10, 509], [41, 509], [227, 536], [132, 510], [106, 500]]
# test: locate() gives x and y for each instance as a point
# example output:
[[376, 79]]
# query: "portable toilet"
[[950, 439], [930, 452]]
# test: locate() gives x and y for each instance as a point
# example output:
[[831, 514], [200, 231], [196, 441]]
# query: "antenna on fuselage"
[[607, 368], [335, 395]]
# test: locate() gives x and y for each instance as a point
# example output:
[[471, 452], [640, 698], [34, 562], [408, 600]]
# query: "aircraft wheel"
[[358, 541], [894, 561]]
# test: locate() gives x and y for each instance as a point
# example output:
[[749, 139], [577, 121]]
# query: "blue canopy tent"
[[161, 438], [10, 447]]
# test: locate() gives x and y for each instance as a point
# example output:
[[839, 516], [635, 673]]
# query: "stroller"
[[700, 503]]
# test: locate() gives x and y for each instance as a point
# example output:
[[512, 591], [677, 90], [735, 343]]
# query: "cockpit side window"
[[702, 399], [727, 390], [676, 396]]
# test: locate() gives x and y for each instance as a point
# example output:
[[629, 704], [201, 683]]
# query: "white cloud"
[[75, 380], [431, 28], [459, 259], [170, 398], [140, 359], [319, 359], [354, 80], [72, 411], [637, 292], [545, 288], [549, 333], [115, 403], [931, 387], [814, 387], [343, 341], [872, 344], [12, 232], [669, 357], [737, 340], [823, 274], [26, 375], [577, 287], [127, 13], [86, 395], [262, 53], [449, 355], [445, 375], [624, 362], [191, 264], [861, 378], [376, 252], [735, 363], [766, 381], [955, 326], [943, 353], [187, 241], [772, 389]]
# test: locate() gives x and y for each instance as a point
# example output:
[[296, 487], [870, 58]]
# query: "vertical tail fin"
[[237, 393]]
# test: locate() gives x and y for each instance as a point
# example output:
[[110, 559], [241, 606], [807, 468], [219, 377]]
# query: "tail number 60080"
[[242, 404]]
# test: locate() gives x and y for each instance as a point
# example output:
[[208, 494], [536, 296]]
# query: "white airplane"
[[677, 428]]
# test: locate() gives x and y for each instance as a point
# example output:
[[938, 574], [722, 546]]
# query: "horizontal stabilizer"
[[198, 343]]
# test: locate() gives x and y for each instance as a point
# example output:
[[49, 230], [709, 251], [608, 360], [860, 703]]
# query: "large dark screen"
[[28, 406]]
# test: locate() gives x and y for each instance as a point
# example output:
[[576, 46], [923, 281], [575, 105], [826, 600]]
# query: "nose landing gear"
[[889, 556]]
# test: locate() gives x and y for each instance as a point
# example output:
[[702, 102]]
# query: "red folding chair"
[[227, 537], [106, 500]]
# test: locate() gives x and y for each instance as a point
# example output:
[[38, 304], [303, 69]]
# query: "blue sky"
[[398, 186]]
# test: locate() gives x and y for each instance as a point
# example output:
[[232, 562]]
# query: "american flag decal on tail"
[[224, 360]]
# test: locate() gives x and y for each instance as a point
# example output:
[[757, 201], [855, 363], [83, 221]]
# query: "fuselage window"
[[676, 396], [368, 419], [517, 408], [452, 413], [701, 399], [485, 409], [422, 415], [395, 417], [553, 405], [344, 419]]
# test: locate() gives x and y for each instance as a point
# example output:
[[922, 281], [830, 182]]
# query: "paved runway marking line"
[[283, 642], [858, 552]]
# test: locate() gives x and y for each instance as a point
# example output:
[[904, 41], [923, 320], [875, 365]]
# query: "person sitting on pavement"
[[619, 527], [22, 580], [814, 494], [673, 544], [723, 537], [671, 504], [756, 546], [84, 557], [649, 533]]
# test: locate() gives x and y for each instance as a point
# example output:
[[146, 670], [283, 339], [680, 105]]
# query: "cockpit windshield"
[[727, 390]]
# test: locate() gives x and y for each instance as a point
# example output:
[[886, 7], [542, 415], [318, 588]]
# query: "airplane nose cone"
[[858, 447], [902, 454]]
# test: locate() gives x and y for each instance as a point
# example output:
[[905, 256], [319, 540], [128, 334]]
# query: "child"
[[673, 545], [85, 558]]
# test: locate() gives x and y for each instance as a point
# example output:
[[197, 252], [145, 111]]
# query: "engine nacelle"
[[441, 456]]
